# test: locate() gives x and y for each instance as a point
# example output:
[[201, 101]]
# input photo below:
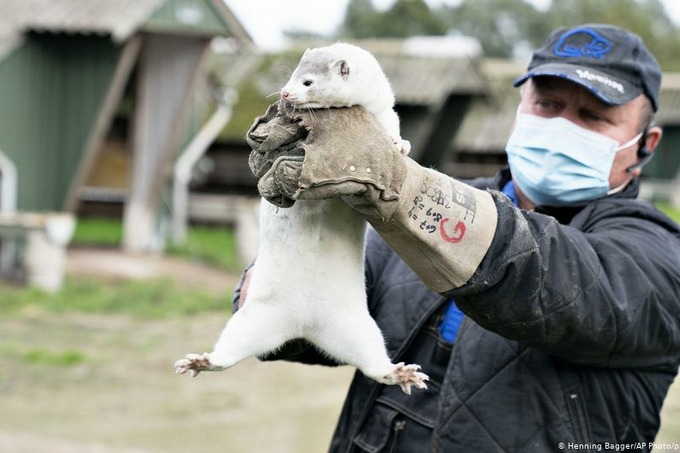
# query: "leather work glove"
[[441, 227]]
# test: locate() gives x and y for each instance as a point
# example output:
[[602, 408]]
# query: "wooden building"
[[76, 75]]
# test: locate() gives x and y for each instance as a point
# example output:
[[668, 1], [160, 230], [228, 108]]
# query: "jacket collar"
[[564, 214]]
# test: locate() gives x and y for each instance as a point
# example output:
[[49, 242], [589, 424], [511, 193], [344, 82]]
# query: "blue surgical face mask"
[[555, 162]]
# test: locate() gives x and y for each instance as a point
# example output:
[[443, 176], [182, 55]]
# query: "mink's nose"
[[285, 94]]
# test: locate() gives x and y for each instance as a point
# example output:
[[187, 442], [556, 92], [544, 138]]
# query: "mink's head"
[[329, 77]]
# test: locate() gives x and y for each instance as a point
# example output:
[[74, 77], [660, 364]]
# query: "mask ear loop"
[[643, 154]]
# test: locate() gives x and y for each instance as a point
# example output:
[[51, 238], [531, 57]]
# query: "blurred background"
[[127, 209]]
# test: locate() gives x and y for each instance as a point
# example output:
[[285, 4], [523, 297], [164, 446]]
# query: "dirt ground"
[[122, 395], [86, 262]]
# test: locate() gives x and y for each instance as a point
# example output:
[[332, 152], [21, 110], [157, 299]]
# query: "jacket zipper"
[[397, 428], [581, 421]]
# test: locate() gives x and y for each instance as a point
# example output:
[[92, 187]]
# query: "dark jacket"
[[571, 334]]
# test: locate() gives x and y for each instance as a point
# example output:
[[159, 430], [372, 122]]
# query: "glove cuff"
[[441, 228]]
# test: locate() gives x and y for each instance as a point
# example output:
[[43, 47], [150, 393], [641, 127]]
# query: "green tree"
[[503, 27], [512, 28], [517, 26], [404, 18], [360, 20]]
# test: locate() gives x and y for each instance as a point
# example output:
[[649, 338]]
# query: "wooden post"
[[167, 75]]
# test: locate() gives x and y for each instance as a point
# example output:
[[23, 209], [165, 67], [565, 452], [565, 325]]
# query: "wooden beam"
[[444, 125]]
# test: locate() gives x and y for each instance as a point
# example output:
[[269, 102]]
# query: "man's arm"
[[601, 292]]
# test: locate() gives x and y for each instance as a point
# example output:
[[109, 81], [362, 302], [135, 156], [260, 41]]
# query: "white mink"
[[308, 279]]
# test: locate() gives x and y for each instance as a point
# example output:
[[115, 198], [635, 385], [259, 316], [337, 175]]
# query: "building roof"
[[119, 18], [428, 80]]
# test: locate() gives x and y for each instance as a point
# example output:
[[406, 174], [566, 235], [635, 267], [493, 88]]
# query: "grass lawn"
[[160, 298]]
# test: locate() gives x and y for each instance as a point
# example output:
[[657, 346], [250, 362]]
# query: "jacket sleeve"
[[602, 291]]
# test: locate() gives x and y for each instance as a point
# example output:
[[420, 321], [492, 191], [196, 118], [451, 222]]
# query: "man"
[[543, 303]]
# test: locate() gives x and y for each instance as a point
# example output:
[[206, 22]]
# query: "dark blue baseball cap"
[[611, 62]]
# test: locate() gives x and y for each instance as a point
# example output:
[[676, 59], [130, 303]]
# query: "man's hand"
[[276, 158], [317, 154]]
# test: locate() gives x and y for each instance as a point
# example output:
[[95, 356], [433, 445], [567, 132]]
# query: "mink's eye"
[[307, 82]]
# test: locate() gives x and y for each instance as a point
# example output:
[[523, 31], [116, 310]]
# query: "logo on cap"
[[587, 75], [582, 42]]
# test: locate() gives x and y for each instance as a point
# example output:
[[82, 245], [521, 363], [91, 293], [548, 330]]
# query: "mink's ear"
[[341, 67]]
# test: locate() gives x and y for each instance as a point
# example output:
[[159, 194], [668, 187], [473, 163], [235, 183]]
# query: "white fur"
[[308, 279], [307, 282]]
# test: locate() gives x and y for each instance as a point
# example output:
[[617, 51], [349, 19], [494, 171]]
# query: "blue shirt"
[[453, 317]]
